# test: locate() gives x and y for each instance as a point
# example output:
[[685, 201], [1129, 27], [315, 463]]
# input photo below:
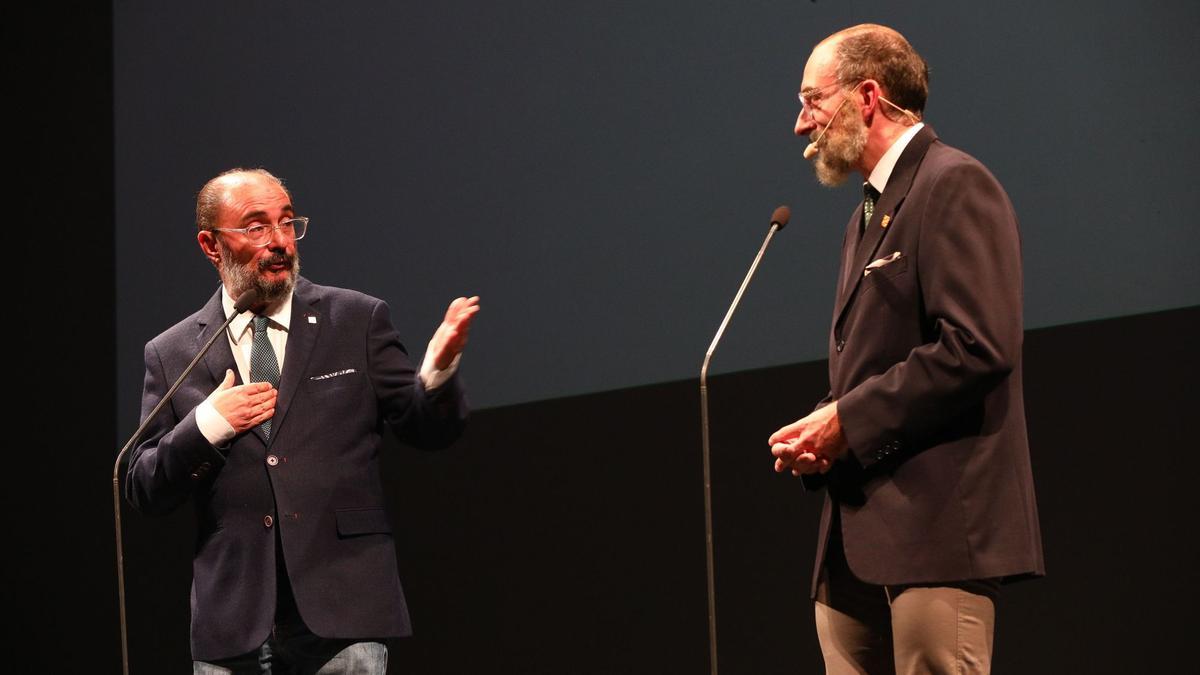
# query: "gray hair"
[[873, 52]]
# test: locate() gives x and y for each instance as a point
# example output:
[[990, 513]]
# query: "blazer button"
[[272, 460], [268, 521], [841, 344]]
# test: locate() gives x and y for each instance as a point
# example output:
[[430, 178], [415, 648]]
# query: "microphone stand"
[[243, 303], [778, 220]]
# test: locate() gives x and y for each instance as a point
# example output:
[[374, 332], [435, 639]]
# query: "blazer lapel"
[[220, 357], [889, 204], [302, 337], [848, 248]]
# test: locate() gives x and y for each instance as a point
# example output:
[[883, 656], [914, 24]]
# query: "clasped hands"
[[810, 444]]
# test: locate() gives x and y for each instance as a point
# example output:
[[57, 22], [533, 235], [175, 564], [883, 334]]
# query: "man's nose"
[[804, 124], [279, 240]]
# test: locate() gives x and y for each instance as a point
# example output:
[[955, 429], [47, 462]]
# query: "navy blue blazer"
[[925, 364], [346, 378]]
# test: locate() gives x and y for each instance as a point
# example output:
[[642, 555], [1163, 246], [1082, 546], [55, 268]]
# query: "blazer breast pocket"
[[345, 397], [889, 281]]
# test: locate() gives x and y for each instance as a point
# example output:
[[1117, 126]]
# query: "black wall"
[[565, 536], [59, 583]]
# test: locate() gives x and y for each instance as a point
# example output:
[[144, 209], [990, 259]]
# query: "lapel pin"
[[312, 319], [885, 221]]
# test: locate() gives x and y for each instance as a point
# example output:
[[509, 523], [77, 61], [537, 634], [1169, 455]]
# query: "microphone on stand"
[[245, 301], [779, 219]]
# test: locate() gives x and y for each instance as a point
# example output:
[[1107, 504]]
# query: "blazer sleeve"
[[429, 419], [969, 271], [173, 455]]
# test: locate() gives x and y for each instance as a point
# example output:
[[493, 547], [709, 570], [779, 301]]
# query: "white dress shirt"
[[883, 168], [215, 428]]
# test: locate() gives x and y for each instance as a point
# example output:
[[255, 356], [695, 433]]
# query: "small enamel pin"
[[884, 223], [312, 319]]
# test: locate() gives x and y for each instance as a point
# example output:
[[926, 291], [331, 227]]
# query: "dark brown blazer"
[[925, 364]]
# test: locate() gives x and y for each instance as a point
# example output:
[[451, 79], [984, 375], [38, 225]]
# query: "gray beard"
[[843, 148], [238, 279]]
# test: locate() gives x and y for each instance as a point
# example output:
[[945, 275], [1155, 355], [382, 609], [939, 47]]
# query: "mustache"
[[276, 259]]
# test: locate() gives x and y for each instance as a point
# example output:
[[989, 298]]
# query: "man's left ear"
[[869, 98]]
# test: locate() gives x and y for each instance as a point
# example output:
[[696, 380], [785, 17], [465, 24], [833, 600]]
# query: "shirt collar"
[[883, 168], [281, 316]]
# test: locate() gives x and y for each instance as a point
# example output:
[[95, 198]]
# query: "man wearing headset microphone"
[[921, 442]]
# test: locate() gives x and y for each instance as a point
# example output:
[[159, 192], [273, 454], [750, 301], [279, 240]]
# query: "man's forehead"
[[252, 185], [820, 69], [247, 182], [246, 193]]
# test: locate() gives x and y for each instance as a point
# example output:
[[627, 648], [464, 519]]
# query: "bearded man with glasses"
[[275, 439], [920, 443]]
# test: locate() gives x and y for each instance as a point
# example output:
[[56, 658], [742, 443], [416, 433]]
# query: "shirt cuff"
[[433, 378], [215, 428]]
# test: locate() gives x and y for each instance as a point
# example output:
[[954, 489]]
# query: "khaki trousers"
[[923, 628]]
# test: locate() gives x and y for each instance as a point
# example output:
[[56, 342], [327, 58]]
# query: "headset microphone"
[[812, 149]]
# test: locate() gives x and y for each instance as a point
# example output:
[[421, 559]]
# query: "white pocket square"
[[336, 373], [886, 260]]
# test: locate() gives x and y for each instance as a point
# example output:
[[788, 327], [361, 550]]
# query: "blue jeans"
[[299, 652], [292, 649]]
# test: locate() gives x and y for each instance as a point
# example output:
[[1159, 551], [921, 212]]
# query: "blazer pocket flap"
[[351, 522]]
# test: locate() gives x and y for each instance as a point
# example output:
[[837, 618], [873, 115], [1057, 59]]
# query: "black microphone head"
[[781, 216], [246, 300]]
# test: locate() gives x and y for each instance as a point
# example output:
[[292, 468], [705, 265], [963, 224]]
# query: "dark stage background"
[[602, 173], [565, 535]]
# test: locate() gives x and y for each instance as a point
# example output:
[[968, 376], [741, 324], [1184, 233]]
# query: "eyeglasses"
[[809, 98], [260, 235]]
